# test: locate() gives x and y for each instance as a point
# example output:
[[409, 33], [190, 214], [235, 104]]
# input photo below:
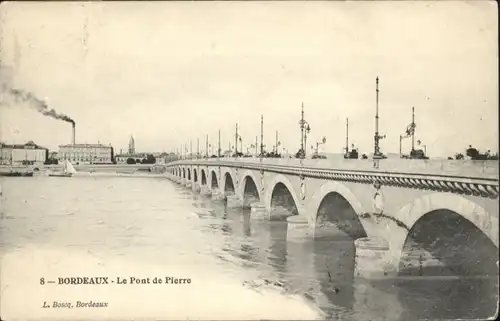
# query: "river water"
[[239, 268]]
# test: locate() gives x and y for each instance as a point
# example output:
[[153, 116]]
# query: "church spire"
[[131, 145]]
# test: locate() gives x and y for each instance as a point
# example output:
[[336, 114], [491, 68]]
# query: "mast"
[[262, 134], [377, 137], [400, 143], [276, 142], [413, 128], [236, 140], [347, 136], [302, 130], [218, 146]]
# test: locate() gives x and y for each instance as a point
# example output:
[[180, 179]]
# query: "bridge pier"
[[183, 181], [373, 258], [204, 190], [298, 228], [217, 195], [259, 211], [196, 187], [233, 201]]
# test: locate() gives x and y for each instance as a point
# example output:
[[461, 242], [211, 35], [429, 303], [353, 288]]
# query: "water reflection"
[[322, 271]]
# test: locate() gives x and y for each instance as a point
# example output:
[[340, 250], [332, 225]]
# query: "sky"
[[170, 73]]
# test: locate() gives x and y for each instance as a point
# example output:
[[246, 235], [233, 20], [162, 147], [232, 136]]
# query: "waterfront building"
[[5, 154], [86, 153], [122, 158], [27, 154]]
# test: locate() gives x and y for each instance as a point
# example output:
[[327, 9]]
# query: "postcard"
[[249, 160]]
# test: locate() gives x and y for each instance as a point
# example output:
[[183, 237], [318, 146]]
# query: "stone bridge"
[[446, 209]]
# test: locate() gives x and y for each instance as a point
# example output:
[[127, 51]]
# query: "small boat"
[[16, 174], [68, 170]]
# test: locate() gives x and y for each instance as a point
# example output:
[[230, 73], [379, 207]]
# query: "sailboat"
[[68, 170]]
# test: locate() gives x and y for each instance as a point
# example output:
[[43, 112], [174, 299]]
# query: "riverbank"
[[101, 168]]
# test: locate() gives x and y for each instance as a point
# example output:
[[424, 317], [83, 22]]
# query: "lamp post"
[[410, 132], [278, 144], [378, 136], [236, 141], [206, 147], [261, 135], [218, 146], [256, 146], [304, 130]]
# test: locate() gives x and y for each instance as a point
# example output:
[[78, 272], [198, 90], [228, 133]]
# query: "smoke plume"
[[10, 96]]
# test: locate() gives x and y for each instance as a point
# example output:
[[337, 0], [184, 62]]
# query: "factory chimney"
[[73, 134]]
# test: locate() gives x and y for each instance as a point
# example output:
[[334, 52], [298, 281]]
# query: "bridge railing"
[[460, 168]]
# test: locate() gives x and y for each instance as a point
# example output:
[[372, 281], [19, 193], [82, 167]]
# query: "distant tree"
[[150, 159], [130, 161]]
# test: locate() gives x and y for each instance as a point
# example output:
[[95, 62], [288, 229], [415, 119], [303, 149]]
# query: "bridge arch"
[[228, 181], [439, 214], [183, 172], [250, 188], [203, 177], [280, 181], [189, 174], [214, 182], [334, 203], [195, 175]]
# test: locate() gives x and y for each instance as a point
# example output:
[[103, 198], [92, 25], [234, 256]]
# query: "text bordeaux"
[[84, 280]]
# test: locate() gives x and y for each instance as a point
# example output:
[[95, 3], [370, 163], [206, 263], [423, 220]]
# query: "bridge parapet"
[[465, 168], [461, 177]]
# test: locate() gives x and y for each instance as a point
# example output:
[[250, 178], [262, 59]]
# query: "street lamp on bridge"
[[304, 130], [277, 145], [237, 138]]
